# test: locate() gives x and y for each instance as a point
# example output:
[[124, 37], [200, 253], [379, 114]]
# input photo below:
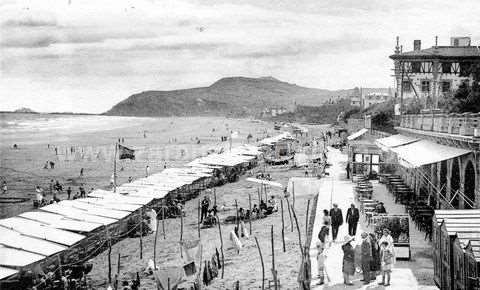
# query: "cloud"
[[29, 22]]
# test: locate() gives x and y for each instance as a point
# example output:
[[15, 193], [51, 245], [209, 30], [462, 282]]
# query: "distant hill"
[[25, 110], [232, 96]]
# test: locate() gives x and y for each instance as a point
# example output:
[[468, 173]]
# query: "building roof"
[[464, 52]]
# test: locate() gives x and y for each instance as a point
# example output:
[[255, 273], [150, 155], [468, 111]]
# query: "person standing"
[[69, 192], [348, 170], [321, 256], [147, 171], [81, 172], [352, 220], [386, 259], [337, 220], [366, 258], [348, 266], [205, 205], [326, 218]]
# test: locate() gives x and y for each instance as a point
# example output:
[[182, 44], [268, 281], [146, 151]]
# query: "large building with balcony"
[[429, 74]]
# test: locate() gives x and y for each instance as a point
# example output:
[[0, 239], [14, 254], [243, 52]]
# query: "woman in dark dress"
[[348, 260]]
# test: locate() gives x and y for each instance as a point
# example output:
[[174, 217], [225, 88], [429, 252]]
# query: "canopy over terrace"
[[394, 141], [224, 159], [424, 152]]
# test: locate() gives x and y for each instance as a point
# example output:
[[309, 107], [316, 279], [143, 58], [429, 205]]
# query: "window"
[[416, 66], [446, 86], [407, 88], [425, 86], [465, 69], [446, 67]]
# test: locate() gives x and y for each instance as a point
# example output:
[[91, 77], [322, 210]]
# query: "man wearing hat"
[[337, 220], [366, 257]]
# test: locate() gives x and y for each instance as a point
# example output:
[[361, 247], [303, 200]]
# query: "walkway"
[[337, 189]]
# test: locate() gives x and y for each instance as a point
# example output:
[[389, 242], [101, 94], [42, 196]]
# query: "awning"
[[357, 134], [394, 141], [425, 152]]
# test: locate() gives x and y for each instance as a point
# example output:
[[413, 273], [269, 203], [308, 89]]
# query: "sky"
[[87, 55]]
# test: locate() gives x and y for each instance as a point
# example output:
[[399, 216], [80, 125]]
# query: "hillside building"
[[431, 73]]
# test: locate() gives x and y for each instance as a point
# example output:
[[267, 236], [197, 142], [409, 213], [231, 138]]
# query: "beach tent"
[[41, 230], [60, 222], [12, 239], [7, 272], [17, 258], [78, 214], [266, 182], [357, 134]]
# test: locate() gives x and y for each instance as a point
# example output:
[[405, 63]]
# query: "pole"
[[198, 218], [115, 169], [258, 193], [273, 259], [109, 261], [141, 234], [263, 266], [215, 197], [298, 230], [155, 248], [250, 208], [118, 264], [163, 222], [293, 194], [221, 245], [306, 218], [290, 215], [283, 227]]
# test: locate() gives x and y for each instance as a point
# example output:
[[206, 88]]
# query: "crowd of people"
[[370, 256], [55, 188]]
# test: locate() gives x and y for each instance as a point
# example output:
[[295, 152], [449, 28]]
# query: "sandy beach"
[[169, 142]]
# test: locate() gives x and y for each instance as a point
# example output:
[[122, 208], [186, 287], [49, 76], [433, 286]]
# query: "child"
[[386, 259], [320, 262]]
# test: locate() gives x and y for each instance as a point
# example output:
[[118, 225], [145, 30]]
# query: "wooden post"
[[290, 215], [141, 234], [250, 207], [274, 272], [109, 261], [118, 264], [163, 222], [181, 226], [155, 248], [214, 196], [258, 193], [263, 266], [221, 245], [306, 218], [115, 172], [298, 230], [198, 218], [283, 227], [293, 194]]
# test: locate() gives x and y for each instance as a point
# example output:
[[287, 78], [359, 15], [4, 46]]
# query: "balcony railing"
[[466, 124]]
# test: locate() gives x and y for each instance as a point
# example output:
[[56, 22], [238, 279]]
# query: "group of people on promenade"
[[370, 256]]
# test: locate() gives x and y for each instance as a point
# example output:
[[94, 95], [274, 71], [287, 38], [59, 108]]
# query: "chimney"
[[417, 45]]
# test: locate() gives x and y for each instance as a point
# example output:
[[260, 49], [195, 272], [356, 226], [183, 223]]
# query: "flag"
[[126, 153]]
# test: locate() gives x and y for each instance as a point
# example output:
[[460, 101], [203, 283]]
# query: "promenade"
[[337, 189]]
